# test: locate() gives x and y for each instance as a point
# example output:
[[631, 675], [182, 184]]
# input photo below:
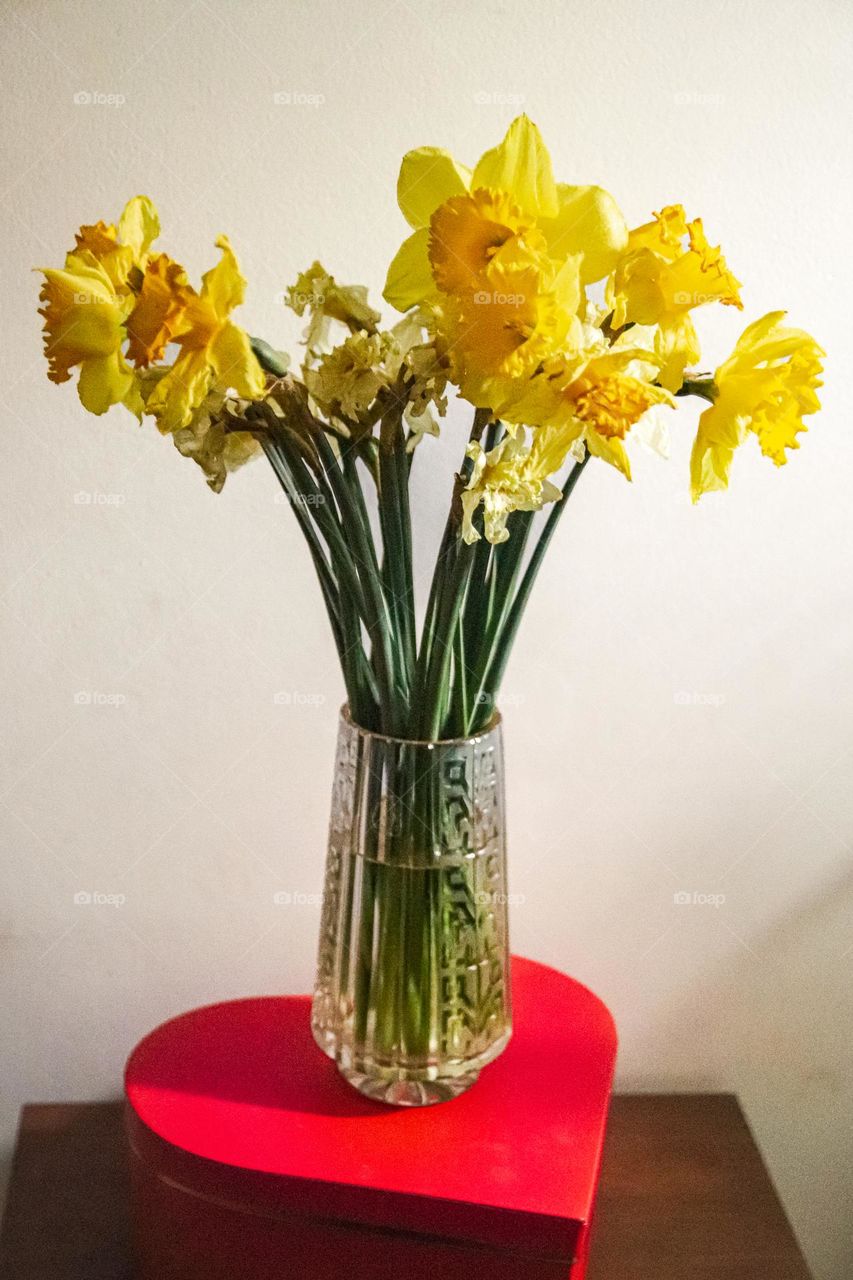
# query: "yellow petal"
[[133, 400], [589, 222], [139, 225], [677, 345], [181, 391], [521, 165], [720, 284], [549, 450], [612, 451], [104, 381], [409, 279], [717, 437], [235, 364], [769, 340], [634, 290], [216, 451], [664, 235], [470, 503], [428, 177], [82, 318], [97, 245], [224, 286], [98, 238], [778, 430], [495, 513]]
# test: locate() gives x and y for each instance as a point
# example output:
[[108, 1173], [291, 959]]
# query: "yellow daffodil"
[[465, 220], [421, 373], [525, 312], [158, 284], [667, 271], [425, 371], [493, 282], [327, 303], [513, 476], [211, 438], [767, 385], [84, 318], [215, 354], [347, 379], [112, 290], [594, 397]]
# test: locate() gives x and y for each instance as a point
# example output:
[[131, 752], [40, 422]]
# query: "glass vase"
[[412, 996]]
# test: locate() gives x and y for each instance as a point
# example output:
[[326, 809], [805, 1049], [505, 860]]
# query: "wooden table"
[[684, 1195]]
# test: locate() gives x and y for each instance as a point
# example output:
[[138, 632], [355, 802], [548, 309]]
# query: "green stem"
[[377, 619], [395, 522], [405, 516], [353, 607], [506, 566], [348, 652], [509, 630], [459, 694], [268, 358], [450, 606], [423, 709], [701, 385]]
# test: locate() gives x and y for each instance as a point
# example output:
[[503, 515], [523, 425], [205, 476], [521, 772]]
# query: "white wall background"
[[199, 797]]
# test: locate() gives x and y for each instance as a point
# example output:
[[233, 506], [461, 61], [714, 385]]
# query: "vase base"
[[409, 1093]]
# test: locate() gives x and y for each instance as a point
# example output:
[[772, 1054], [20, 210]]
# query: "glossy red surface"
[[236, 1105]]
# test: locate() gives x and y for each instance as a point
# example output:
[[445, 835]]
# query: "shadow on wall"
[[783, 1007]]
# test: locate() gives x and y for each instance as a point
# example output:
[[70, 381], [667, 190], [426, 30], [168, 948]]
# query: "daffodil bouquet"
[[532, 299], [569, 335]]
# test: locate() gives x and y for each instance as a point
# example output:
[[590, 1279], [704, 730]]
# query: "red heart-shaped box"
[[252, 1156]]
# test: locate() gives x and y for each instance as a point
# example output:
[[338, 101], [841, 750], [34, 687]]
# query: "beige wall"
[[680, 707]]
